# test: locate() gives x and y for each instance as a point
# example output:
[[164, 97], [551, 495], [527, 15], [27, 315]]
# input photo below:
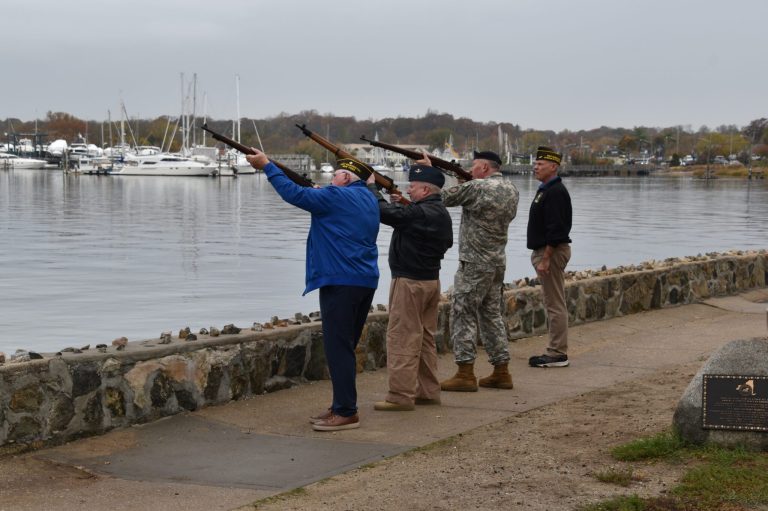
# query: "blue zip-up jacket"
[[341, 245]]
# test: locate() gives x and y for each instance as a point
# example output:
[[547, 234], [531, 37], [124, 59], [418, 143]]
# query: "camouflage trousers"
[[476, 310]]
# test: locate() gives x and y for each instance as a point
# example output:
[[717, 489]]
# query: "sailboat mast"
[[183, 118], [109, 119], [205, 113], [194, 107], [237, 98]]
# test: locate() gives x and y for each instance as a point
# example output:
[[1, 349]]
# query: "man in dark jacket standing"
[[549, 228], [342, 262], [422, 233]]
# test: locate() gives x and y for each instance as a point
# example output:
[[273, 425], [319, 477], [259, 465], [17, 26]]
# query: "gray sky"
[[542, 64]]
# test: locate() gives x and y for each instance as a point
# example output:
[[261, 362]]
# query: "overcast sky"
[[542, 64]]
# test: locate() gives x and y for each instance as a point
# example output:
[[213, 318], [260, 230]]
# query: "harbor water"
[[87, 259]]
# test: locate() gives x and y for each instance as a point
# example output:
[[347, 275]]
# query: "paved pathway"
[[226, 456]]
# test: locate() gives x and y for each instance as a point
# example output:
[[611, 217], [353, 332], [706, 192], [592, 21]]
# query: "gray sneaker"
[[549, 361]]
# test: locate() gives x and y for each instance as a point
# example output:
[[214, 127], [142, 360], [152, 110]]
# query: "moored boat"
[[8, 160], [163, 165]]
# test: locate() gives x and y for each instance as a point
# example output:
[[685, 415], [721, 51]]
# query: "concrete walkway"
[[227, 456]]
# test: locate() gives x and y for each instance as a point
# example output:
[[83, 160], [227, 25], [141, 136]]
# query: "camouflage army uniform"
[[488, 206]]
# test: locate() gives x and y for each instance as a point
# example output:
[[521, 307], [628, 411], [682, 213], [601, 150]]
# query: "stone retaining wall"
[[69, 395]]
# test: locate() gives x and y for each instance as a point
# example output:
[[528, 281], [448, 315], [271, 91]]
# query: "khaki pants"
[[411, 350], [553, 286]]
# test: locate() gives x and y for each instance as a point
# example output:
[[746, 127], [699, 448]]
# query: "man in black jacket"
[[549, 228], [423, 232]]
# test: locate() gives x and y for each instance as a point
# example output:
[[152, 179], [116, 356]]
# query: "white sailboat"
[[380, 162]]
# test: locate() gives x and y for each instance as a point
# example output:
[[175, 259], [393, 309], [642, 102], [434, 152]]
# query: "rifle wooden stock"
[[383, 181], [291, 174], [439, 163]]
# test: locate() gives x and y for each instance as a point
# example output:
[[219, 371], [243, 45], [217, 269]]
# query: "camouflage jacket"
[[488, 206]]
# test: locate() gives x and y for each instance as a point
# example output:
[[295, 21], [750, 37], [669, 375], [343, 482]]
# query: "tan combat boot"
[[500, 379], [463, 381]]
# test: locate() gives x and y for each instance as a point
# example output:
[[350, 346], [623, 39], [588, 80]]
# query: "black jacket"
[[423, 232], [549, 221]]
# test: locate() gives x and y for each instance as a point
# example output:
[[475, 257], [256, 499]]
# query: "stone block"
[[25, 429], [160, 391], [85, 379], [295, 358], [213, 384], [115, 402], [27, 399], [93, 414], [317, 367], [62, 412]]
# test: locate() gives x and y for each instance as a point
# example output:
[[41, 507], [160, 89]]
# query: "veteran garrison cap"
[[356, 167], [426, 174], [487, 155], [545, 153]]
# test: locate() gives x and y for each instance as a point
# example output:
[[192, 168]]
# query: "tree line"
[[279, 135]]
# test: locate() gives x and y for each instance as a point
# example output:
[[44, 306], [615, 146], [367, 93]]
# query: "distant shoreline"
[[739, 171]]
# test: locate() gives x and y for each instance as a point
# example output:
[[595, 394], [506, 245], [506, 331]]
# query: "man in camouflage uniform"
[[489, 203]]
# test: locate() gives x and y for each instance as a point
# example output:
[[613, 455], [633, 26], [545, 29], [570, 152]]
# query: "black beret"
[[487, 155], [545, 153], [356, 167], [426, 174]]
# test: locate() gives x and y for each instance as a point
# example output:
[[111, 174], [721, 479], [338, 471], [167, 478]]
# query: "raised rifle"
[[383, 181], [439, 163], [291, 174]]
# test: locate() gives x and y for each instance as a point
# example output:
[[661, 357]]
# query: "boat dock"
[[586, 170]]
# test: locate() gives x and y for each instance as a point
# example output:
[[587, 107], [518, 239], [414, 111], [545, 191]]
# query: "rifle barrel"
[[385, 182], [291, 174], [439, 163]]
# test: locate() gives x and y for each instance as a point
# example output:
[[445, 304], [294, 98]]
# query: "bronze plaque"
[[735, 402]]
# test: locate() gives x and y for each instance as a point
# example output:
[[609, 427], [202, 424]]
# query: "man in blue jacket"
[[342, 262]]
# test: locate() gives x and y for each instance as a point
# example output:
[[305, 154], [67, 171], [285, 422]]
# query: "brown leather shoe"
[[321, 416], [337, 423], [427, 401], [388, 406]]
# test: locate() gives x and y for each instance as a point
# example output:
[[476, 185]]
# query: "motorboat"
[[147, 150], [87, 165], [57, 148], [8, 160], [163, 165], [239, 165], [381, 167]]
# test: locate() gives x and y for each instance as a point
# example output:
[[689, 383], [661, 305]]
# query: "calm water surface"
[[87, 259]]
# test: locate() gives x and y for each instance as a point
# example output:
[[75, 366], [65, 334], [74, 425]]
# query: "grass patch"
[[735, 477], [665, 445], [718, 479], [619, 476]]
